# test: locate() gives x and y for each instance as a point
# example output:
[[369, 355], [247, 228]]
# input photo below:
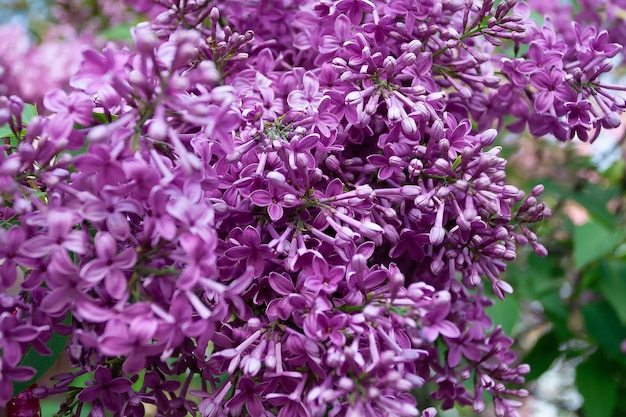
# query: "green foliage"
[[118, 33], [573, 302], [592, 241], [42, 363], [597, 382], [28, 113]]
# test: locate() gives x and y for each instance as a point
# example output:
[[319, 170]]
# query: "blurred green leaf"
[[604, 326], [612, 284], [28, 113], [557, 313], [592, 197], [592, 241], [596, 381], [542, 355], [543, 276], [505, 313], [615, 173], [118, 33], [42, 363]]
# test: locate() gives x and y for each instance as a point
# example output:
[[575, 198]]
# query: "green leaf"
[[604, 326], [28, 113], [596, 381], [542, 355], [456, 163], [592, 241], [557, 312], [593, 198], [118, 33], [613, 286], [505, 313], [40, 363], [5, 131]]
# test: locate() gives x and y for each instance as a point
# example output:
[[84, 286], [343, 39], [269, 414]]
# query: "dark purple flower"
[[248, 247], [12, 334], [106, 389], [248, 393]]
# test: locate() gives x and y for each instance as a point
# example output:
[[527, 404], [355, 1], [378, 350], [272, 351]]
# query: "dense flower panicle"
[[296, 205]]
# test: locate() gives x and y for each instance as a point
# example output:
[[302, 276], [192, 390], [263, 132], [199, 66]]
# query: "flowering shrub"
[[295, 206]]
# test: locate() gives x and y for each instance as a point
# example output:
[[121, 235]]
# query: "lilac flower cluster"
[[29, 70], [285, 208]]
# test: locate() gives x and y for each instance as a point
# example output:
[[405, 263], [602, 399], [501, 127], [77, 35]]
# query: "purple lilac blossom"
[[265, 198]]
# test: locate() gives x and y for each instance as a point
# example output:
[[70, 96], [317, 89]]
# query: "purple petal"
[[143, 328], [23, 333], [118, 226], [261, 198], [343, 27], [120, 385], [55, 301], [541, 80], [115, 284], [281, 284], [250, 237], [90, 394], [38, 246], [114, 345], [297, 100], [76, 242], [95, 271], [91, 312], [111, 401], [275, 211], [106, 246], [329, 44], [237, 253], [56, 101], [254, 406], [94, 210], [134, 363], [11, 353], [448, 329], [102, 375], [126, 259], [544, 101], [311, 85]]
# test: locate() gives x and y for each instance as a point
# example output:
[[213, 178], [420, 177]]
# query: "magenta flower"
[[324, 279], [109, 265], [307, 99], [275, 201], [389, 164], [113, 211], [59, 239], [551, 88], [77, 106], [133, 341]]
